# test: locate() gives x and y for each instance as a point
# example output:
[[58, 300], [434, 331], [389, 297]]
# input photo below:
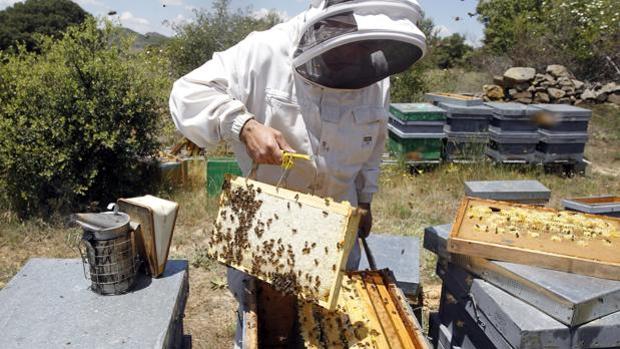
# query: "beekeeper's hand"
[[264, 144], [366, 220]]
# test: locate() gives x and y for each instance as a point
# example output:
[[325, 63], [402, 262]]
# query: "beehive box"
[[216, 171], [298, 243], [560, 240], [417, 112], [371, 313], [415, 146], [454, 98], [571, 299], [604, 205]]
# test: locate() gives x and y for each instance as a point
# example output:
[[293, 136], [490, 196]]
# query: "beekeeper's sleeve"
[[208, 104]]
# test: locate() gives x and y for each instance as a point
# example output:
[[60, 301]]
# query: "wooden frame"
[[372, 313], [600, 259], [285, 238], [145, 234]]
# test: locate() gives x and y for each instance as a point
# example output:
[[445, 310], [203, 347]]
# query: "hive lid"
[[104, 225], [511, 109], [402, 135], [417, 111], [508, 190], [565, 110], [476, 110], [562, 138]]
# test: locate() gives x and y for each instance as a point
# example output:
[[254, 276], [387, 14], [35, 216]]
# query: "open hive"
[[560, 240], [298, 243], [371, 313]]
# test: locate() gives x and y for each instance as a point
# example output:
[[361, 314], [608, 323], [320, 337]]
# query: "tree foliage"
[[451, 51], [77, 120], [584, 35], [210, 32], [22, 22]]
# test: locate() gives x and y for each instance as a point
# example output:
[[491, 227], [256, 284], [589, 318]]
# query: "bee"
[[326, 250], [316, 262], [326, 202], [259, 190], [294, 231], [325, 214], [296, 196], [288, 205], [334, 267], [275, 215], [313, 244]]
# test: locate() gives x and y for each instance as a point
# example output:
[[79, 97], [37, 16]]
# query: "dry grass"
[[405, 205]]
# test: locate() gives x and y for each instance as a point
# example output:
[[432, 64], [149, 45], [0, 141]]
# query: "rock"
[[564, 81], [520, 95], [498, 80], [601, 96], [546, 84], [517, 75], [555, 93], [522, 86], [558, 70], [564, 101], [578, 84], [550, 78], [531, 89], [588, 94], [493, 92], [524, 100], [541, 97], [611, 87], [569, 90], [614, 98], [541, 89]]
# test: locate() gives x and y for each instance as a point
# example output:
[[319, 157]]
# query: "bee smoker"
[[108, 251]]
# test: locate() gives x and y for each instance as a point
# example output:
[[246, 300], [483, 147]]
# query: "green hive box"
[[415, 147], [217, 168], [417, 112]]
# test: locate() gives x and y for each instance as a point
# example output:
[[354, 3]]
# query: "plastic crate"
[[467, 118], [513, 143], [569, 118], [417, 112], [417, 126], [562, 143], [508, 124], [512, 110], [417, 147], [217, 168]]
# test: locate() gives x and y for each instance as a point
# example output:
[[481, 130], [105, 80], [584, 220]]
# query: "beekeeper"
[[317, 84]]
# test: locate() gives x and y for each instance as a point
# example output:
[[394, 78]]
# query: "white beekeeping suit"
[[322, 80], [280, 77]]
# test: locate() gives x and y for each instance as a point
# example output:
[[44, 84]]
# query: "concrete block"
[[516, 191], [571, 299], [400, 254], [48, 304]]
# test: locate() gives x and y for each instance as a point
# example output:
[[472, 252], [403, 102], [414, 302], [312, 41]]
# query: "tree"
[[22, 22], [451, 51], [210, 32], [78, 120], [583, 35]]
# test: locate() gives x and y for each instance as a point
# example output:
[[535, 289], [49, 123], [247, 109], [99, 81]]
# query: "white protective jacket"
[[343, 130]]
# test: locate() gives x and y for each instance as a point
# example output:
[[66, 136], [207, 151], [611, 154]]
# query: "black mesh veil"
[[360, 64]]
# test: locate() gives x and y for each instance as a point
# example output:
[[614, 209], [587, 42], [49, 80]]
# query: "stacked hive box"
[[491, 304], [564, 134], [513, 136], [416, 131], [466, 131]]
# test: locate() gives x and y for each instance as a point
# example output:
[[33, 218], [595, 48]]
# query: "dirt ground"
[[405, 205]]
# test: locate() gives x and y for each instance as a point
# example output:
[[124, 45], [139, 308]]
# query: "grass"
[[405, 205]]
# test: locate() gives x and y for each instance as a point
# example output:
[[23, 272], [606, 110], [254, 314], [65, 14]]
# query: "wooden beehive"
[[371, 313], [298, 243], [560, 240]]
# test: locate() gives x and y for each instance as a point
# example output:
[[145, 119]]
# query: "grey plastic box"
[[520, 324], [48, 304], [598, 334], [524, 191], [513, 143], [417, 126], [512, 110], [508, 124], [569, 118], [601, 205], [561, 143], [467, 118], [571, 299], [400, 254]]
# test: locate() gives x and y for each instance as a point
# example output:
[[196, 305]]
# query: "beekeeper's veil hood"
[[351, 44]]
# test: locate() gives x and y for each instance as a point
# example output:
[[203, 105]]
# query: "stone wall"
[[556, 85]]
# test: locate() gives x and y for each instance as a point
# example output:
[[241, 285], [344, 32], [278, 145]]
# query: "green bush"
[[78, 121], [583, 35]]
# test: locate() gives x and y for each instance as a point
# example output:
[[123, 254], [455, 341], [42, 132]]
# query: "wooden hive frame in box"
[[297, 242], [543, 237], [372, 313]]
